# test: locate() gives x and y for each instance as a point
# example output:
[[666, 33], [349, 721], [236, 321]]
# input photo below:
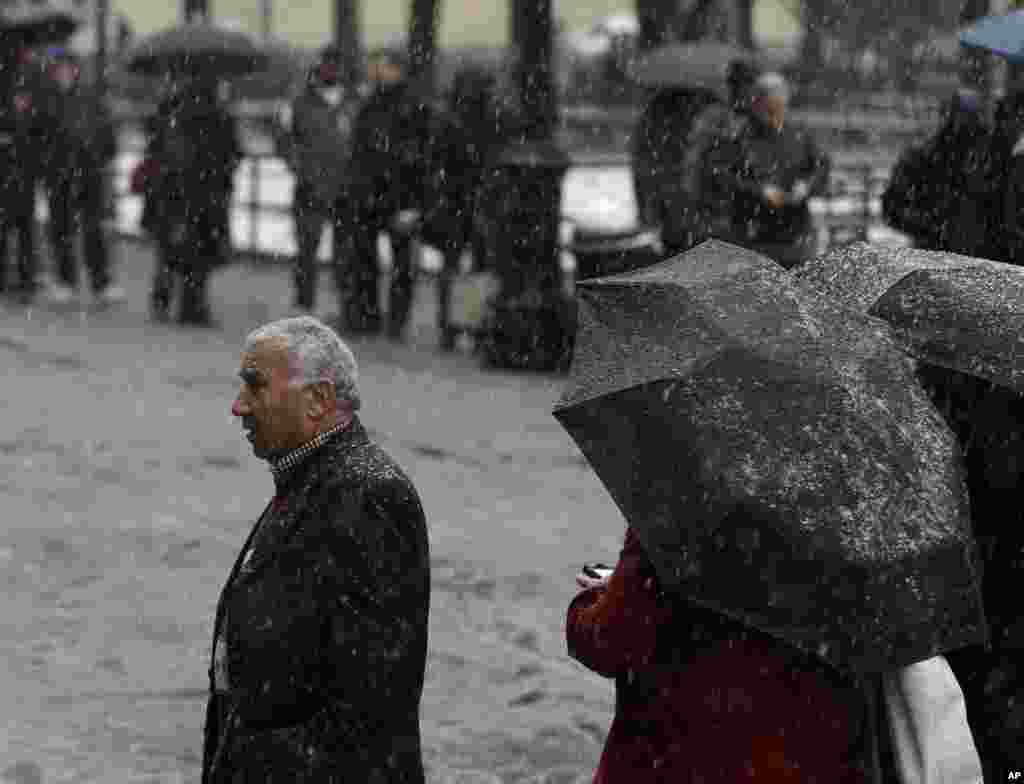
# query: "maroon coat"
[[694, 706]]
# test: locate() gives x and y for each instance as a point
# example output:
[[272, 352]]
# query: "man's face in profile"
[[271, 407]]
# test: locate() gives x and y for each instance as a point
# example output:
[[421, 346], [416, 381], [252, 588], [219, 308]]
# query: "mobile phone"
[[598, 571]]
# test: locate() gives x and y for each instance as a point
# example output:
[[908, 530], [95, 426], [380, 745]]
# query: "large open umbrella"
[[777, 458], [197, 48], [1002, 35], [958, 312], [700, 64], [39, 22]]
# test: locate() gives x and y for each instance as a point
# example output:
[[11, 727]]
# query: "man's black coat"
[[325, 624]]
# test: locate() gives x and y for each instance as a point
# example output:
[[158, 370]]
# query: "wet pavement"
[[128, 489]]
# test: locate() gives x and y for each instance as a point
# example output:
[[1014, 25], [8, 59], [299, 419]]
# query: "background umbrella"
[[699, 64], [39, 22], [961, 313], [1002, 35], [197, 48], [777, 457]]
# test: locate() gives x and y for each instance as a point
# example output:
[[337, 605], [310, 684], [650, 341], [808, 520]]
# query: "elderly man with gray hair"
[[771, 171], [320, 636]]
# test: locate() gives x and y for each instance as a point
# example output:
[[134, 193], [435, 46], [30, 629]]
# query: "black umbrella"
[[777, 458], [197, 48], [30, 23], [958, 312], [700, 64]]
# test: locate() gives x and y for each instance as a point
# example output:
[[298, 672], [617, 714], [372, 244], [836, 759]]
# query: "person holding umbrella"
[[793, 575]]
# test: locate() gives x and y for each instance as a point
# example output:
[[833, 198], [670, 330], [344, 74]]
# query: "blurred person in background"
[[704, 207], [195, 151], [939, 192], [659, 160], [389, 181], [467, 139], [83, 144], [1006, 177], [313, 135], [770, 171], [24, 135]]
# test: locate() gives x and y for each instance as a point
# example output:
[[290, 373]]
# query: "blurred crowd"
[[56, 134], [385, 160]]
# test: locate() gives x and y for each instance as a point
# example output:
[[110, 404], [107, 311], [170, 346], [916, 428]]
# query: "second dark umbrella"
[[957, 312], [777, 458], [197, 48]]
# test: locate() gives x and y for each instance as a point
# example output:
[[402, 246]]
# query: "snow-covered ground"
[[591, 195]]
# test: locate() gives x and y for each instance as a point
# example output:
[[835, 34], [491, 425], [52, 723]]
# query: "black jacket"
[[25, 132], [391, 151], [83, 140], [780, 158], [325, 626]]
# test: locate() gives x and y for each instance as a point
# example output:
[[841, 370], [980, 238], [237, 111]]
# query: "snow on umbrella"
[[1002, 35], [700, 64], [39, 22], [958, 312], [777, 457], [197, 48]]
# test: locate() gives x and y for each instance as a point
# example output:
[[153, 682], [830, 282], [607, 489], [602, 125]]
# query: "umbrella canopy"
[[958, 312], [39, 22], [701, 64], [777, 458], [1002, 35], [197, 48]]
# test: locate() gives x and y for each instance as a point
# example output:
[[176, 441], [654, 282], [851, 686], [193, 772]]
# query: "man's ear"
[[321, 399]]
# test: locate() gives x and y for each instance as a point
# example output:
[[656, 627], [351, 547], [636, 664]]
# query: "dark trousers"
[[362, 311], [190, 242], [23, 228], [311, 216], [76, 206]]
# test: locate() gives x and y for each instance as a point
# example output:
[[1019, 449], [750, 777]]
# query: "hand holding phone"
[[594, 576]]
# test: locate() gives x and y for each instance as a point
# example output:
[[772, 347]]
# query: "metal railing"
[[845, 214]]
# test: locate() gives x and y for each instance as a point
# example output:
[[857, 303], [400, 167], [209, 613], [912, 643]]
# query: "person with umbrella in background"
[[314, 134], [769, 172], [793, 575], [938, 192], [193, 152], [716, 127], [83, 144], [389, 181]]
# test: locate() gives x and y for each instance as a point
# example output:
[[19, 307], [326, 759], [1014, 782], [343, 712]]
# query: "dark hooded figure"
[[24, 137], [1006, 179], [658, 153], [465, 142], [196, 149], [388, 186], [938, 192]]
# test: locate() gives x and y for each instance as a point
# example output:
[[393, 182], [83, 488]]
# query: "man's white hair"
[[772, 84], [318, 352]]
